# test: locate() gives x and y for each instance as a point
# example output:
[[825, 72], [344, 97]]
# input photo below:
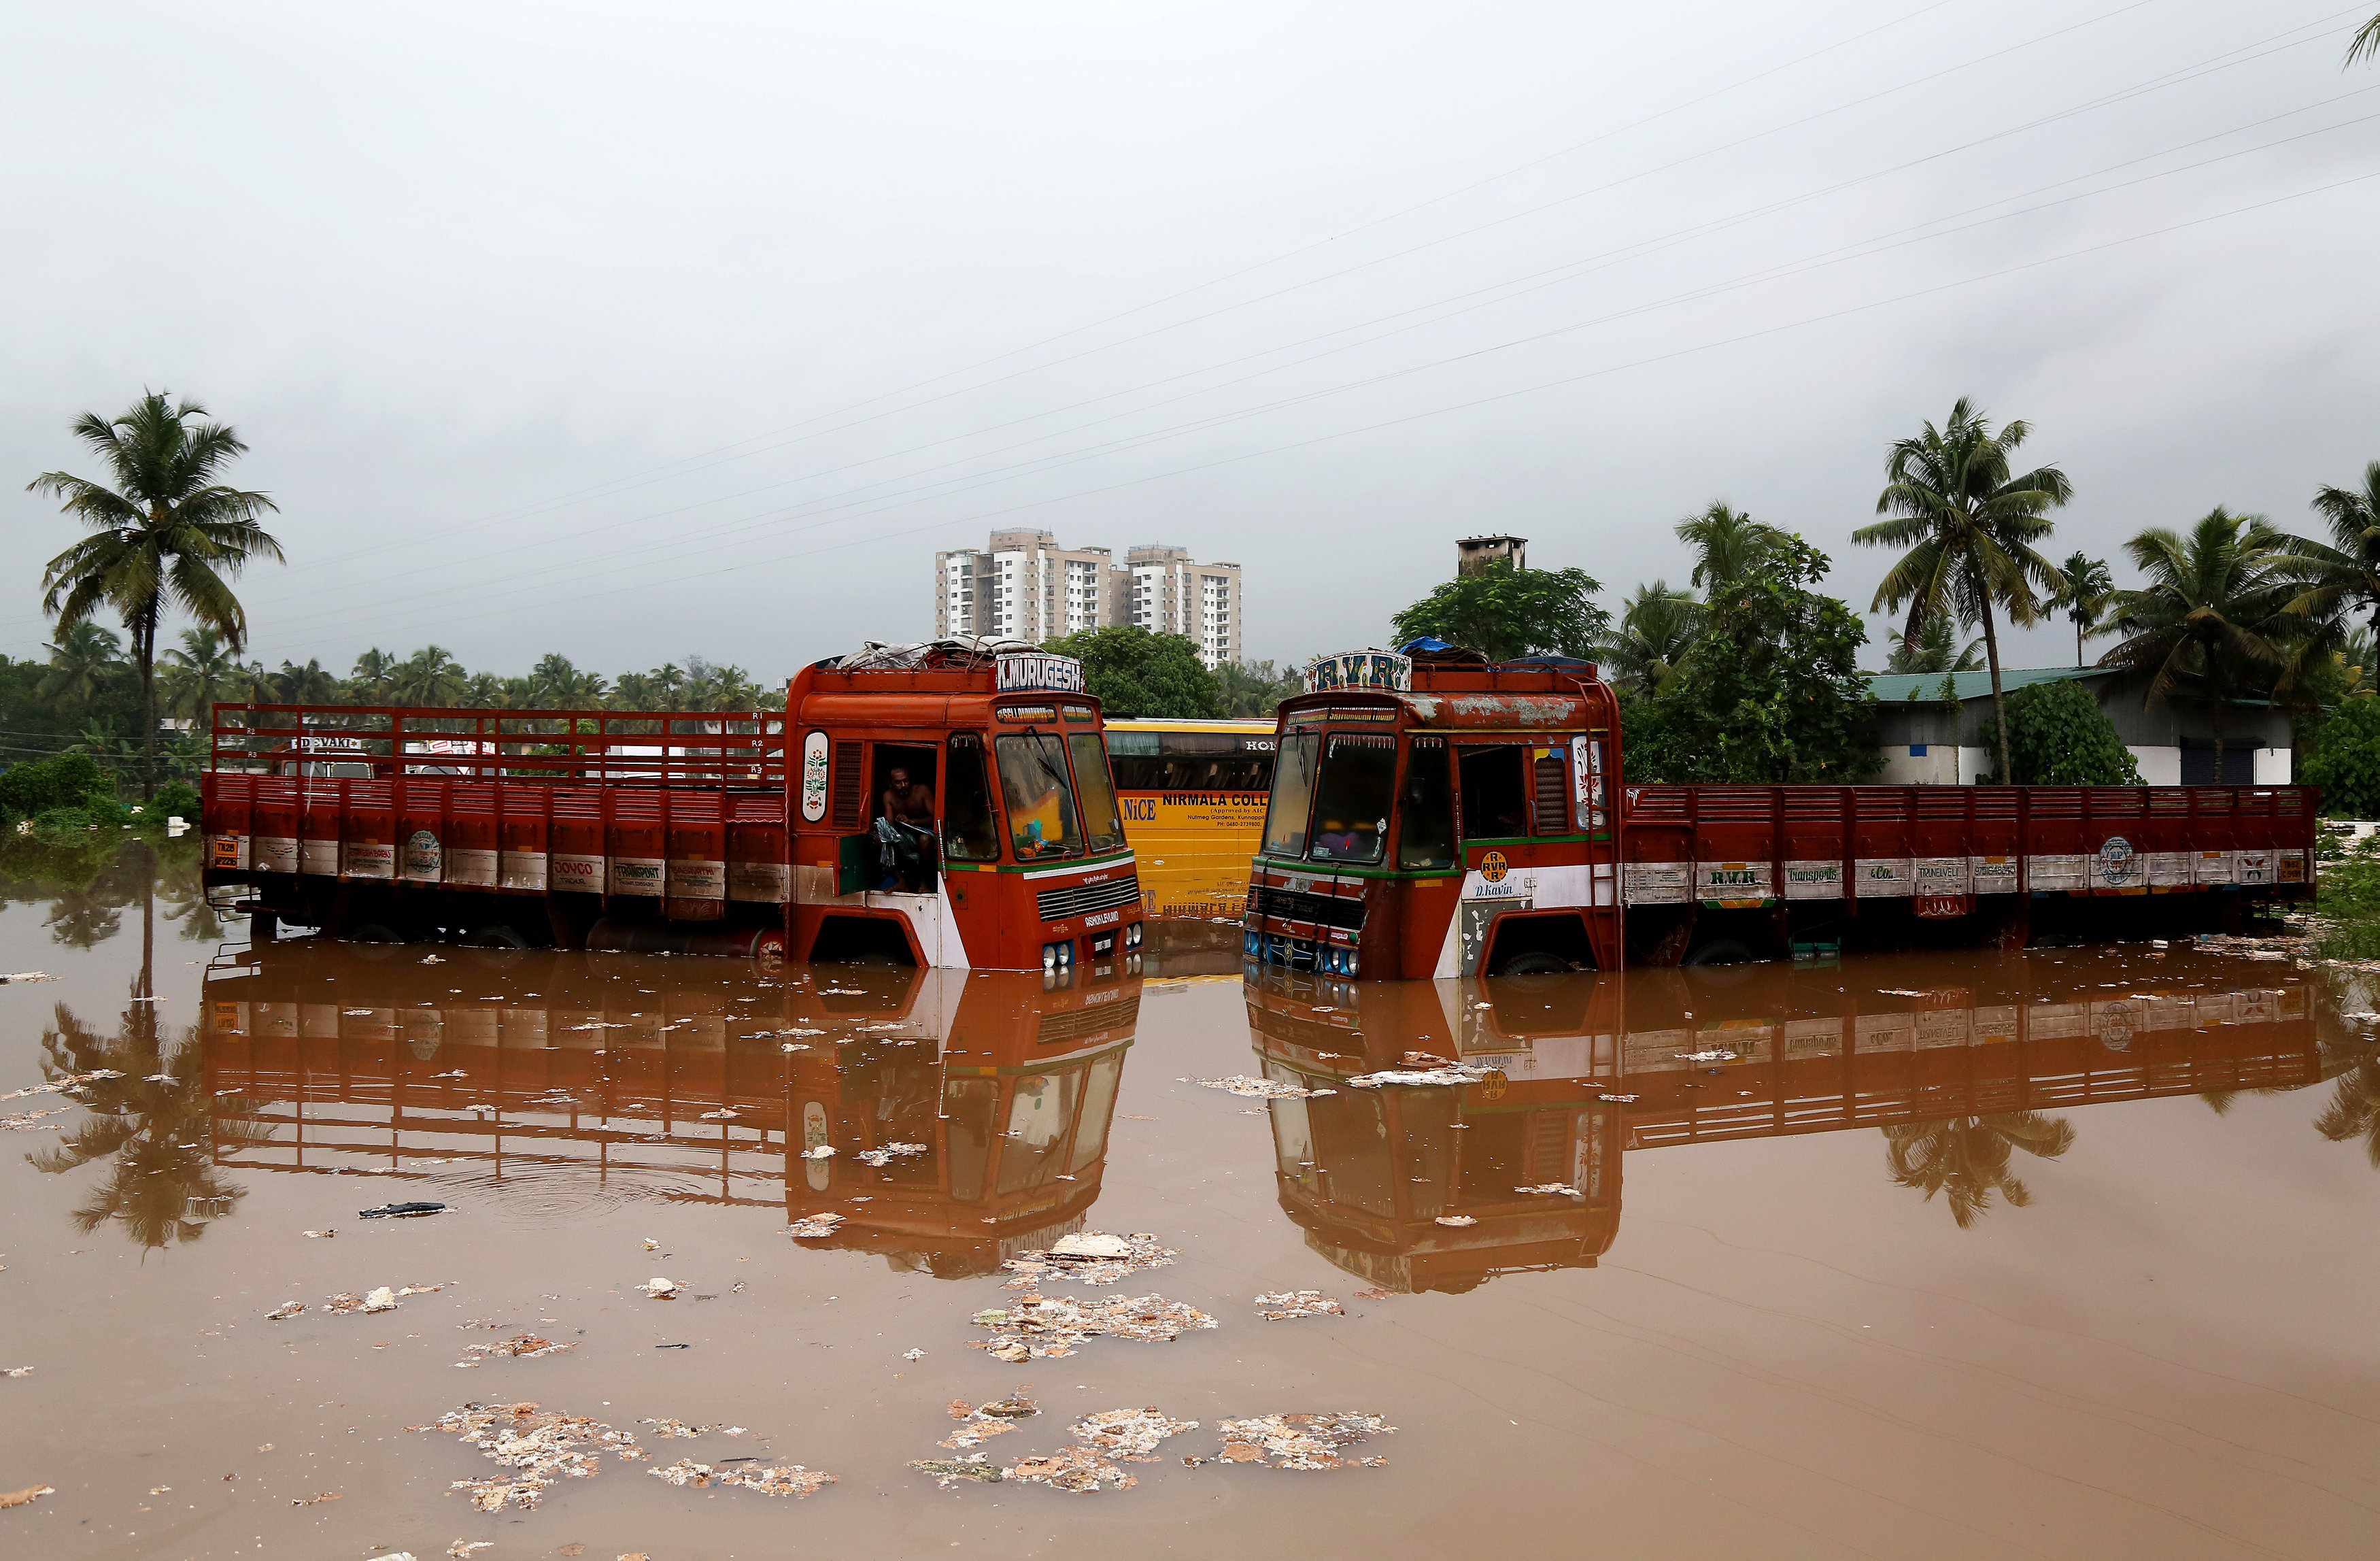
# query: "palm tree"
[[2340, 577], [84, 660], [2212, 612], [198, 674], [1727, 543], [1657, 627], [164, 536], [1966, 1158], [1935, 650], [2366, 45], [2354, 1109], [556, 684], [1969, 528], [374, 679], [309, 684], [430, 676], [2084, 596], [484, 692]]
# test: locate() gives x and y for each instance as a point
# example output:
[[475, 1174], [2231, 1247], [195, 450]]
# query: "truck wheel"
[[495, 937], [372, 932], [1723, 951], [1534, 965]]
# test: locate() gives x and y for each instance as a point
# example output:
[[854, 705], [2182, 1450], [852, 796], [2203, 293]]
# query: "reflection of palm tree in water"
[[2354, 1109], [1966, 1158], [154, 1125]]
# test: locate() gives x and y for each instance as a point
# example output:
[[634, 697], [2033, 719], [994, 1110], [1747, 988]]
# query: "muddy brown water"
[[2069, 1253]]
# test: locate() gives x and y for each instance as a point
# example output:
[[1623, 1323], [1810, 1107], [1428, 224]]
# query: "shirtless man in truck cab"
[[907, 802], [910, 804]]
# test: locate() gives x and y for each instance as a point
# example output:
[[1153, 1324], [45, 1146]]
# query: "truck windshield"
[[1292, 795], [1351, 801], [1040, 799], [1094, 788]]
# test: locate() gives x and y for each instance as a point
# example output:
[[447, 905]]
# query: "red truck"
[[1456, 817], [947, 809]]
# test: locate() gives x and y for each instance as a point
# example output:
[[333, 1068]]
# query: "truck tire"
[[1723, 951], [1534, 965]]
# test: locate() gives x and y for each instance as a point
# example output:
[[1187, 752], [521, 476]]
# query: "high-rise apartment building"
[[1024, 586]]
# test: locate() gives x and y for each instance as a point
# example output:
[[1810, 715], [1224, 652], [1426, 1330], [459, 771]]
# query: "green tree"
[[2058, 736], [2343, 758], [2084, 596], [1967, 1158], [556, 684], [1658, 626], [430, 677], [2339, 578], [309, 684], [196, 674], [1133, 672], [1504, 613], [1969, 526], [2211, 615], [1936, 648], [2366, 45], [2354, 1109], [1254, 689], [165, 536], [1728, 544], [84, 661], [1772, 691], [484, 692], [374, 679]]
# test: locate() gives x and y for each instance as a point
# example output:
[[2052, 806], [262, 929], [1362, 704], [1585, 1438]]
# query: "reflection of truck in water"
[[1439, 815], [949, 806], [1577, 1070], [577, 1090]]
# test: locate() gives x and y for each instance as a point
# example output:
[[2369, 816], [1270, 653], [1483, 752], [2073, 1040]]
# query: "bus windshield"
[[1094, 788], [1292, 795], [1350, 807], [1040, 799]]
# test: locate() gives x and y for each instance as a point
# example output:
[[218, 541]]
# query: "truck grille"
[[1076, 900], [1076, 1024], [1296, 905]]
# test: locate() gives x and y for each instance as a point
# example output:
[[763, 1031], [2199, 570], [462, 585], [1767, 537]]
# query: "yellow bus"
[[1193, 794]]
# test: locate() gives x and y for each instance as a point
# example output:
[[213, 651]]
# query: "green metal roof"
[[1897, 686]]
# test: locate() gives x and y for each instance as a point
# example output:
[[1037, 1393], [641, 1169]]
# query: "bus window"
[[1040, 799], [1427, 839], [1093, 786], [970, 832], [1292, 795], [1039, 1115], [1495, 798], [1350, 807]]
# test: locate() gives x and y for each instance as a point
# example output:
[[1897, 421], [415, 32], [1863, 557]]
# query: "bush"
[[69, 780], [2058, 736], [2345, 761], [174, 797]]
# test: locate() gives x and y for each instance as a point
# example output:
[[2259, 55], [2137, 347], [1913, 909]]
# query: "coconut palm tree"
[[2213, 614], [1728, 544], [2354, 1109], [309, 684], [373, 681], [2084, 596], [2366, 45], [164, 536], [2338, 579], [198, 673], [1966, 1158], [430, 676], [1658, 626], [1970, 525], [1937, 649], [84, 661]]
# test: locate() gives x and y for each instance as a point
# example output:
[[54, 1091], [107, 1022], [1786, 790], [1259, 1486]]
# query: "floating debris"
[[1456, 1219], [662, 1288], [1563, 1187], [31, 1121], [1038, 1325], [1376, 1295], [948, 1472], [981, 1422], [523, 1347], [381, 1299], [286, 1310], [652, 1245], [30, 1494], [16, 1371], [543, 1444], [824, 1152], [1077, 1469], [1088, 1257], [1261, 1089], [1451, 1073], [23, 976], [461, 1549], [814, 1227], [723, 1114], [1130, 1434], [400, 1210], [72, 1080], [773, 1479], [315, 1500], [913, 1355], [1281, 1305], [1301, 1441], [886, 1153], [320, 1235]]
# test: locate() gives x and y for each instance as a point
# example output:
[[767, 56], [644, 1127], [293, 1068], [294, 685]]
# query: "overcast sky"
[[634, 332]]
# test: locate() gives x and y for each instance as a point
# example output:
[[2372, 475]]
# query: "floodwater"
[[2067, 1253]]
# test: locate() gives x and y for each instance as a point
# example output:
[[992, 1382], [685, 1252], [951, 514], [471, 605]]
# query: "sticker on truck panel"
[[762, 883], [814, 777], [230, 851], [1733, 883], [1655, 882], [1814, 880], [638, 875], [698, 878], [368, 859], [1882, 877], [422, 856]]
